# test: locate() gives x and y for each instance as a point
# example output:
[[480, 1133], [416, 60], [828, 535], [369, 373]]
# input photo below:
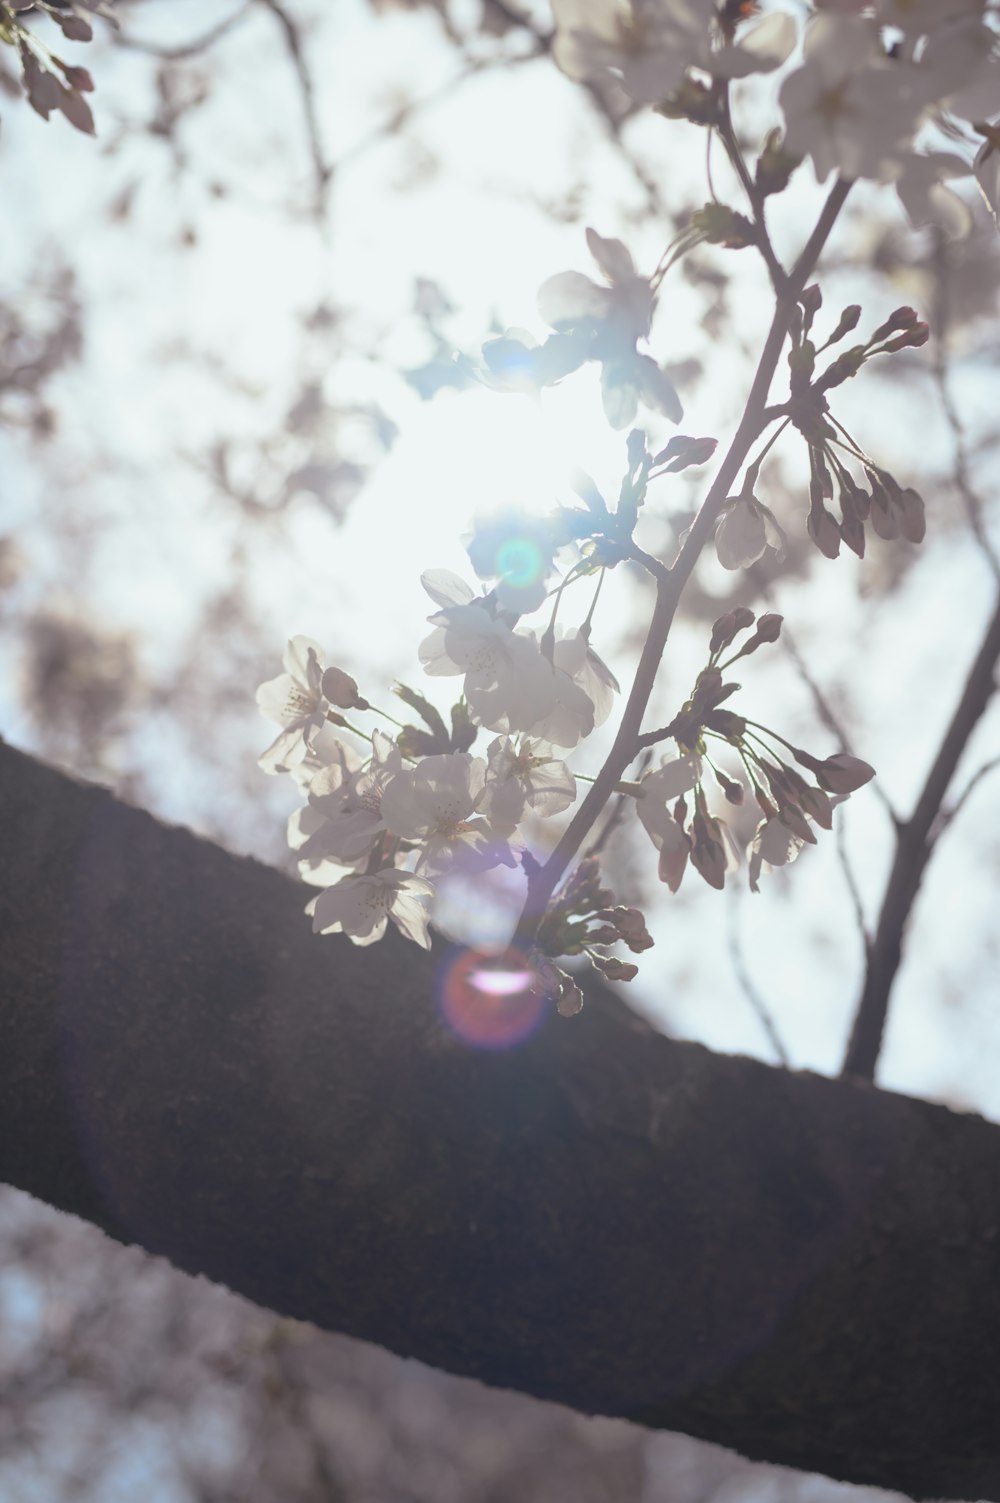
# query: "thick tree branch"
[[806, 1270]]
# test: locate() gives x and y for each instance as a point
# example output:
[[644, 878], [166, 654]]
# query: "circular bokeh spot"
[[519, 562], [487, 1000]]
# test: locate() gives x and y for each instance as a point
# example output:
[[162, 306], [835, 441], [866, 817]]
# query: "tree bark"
[[802, 1269]]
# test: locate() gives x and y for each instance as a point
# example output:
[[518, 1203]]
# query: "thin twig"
[[755, 197], [193, 48], [962, 477], [913, 850], [947, 815], [745, 980], [322, 170], [851, 881], [824, 710], [597, 845]]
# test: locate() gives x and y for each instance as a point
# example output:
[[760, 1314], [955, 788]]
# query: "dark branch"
[[803, 1269], [914, 844]]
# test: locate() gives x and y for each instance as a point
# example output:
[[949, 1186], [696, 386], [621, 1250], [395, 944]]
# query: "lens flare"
[[486, 999], [519, 561]]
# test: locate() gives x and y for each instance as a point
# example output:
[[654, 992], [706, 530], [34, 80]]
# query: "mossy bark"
[[803, 1269]]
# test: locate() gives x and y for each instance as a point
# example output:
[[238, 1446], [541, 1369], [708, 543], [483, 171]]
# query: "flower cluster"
[[892, 509], [672, 800], [872, 74], [747, 529], [50, 83], [388, 816], [584, 919]]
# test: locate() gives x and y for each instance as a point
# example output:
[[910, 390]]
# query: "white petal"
[[570, 298], [612, 257], [760, 50], [446, 588]]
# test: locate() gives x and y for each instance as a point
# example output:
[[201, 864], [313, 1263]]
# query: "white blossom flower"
[[295, 701], [623, 307], [509, 686], [924, 197], [570, 717], [361, 907], [446, 588], [575, 656], [745, 530], [436, 804], [612, 318], [325, 747], [673, 777], [639, 41], [849, 107], [774, 844], [632, 378], [526, 776], [958, 68], [761, 49], [349, 806], [648, 45]]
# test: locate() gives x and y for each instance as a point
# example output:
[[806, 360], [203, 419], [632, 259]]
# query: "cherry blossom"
[[648, 45], [926, 200], [570, 716], [623, 307], [639, 41], [575, 656], [361, 907], [436, 804], [508, 683], [773, 844], [850, 108], [608, 321], [522, 777], [674, 777], [348, 805], [745, 530], [295, 701]]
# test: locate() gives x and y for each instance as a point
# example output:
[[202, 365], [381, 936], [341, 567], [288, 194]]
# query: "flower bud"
[[720, 225], [847, 321], [769, 627], [824, 530], [843, 368], [341, 689], [615, 969], [775, 165], [910, 339], [570, 998], [902, 318], [843, 773]]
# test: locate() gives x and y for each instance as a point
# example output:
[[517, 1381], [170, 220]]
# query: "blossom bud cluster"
[[673, 801], [51, 84], [584, 919]]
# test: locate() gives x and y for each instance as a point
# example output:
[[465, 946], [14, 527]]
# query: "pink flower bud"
[[843, 773], [341, 689]]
